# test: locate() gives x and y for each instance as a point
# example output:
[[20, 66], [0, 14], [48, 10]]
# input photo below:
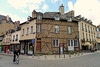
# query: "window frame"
[[69, 28], [23, 32], [27, 32], [75, 43], [31, 29], [16, 37], [56, 28], [55, 44]]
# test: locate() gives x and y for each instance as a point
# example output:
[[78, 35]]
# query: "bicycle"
[[17, 59]]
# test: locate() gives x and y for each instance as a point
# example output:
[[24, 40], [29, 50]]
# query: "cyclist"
[[16, 53]]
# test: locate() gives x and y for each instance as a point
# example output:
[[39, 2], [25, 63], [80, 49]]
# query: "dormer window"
[[57, 18], [39, 17], [70, 19]]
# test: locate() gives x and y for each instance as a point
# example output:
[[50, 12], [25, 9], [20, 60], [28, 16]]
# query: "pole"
[[59, 51], [63, 50]]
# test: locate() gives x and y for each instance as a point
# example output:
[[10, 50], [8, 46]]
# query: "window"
[[13, 37], [70, 42], [85, 28], [56, 43], [69, 29], [27, 30], [92, 37], [76, 43], [31, 29], [57, 18], [39, 17], [83, 36], [82, 27], [57, 29], [86, 36], [39, 28], [88, 29], [91, 29], [23, 32], [16, 37]]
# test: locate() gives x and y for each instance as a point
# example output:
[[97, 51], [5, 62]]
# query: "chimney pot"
[[7, 17]]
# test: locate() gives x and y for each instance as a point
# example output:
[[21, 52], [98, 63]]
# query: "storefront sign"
[[33, 32], [32, 40]]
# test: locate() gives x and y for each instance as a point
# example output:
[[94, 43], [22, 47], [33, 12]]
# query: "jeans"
[[15, 57]]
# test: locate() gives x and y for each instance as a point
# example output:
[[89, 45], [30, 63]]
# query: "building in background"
[[7, 41], [98, 37], [15, 37], [5, 24], [1, 47], [87, 34]]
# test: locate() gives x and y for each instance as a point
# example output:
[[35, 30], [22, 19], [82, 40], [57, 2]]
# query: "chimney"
[[34, 14], [7, 17], [17, 23], [61, 9]]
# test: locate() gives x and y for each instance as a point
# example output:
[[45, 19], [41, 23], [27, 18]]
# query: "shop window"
[[22, 47], [30, 48]]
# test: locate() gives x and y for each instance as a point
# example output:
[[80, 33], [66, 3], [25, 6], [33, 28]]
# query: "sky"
[[21, 9]]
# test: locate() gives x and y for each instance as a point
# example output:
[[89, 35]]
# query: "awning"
[[86, 44]]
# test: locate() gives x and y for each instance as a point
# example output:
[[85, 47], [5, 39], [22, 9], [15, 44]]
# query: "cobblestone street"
[[91, 60]]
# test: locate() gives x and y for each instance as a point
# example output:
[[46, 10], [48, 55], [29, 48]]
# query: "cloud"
[[24, 11], [53, 1], [33, 7], [87, 8], [70, 5], [21, 4], [45, 7]]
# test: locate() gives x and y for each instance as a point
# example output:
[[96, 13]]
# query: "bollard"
[[78, 53], [45, 57], [81, 53], [69, 55], [74, 54], [55, 56], [38, 57], [64, 55], [33, 56]]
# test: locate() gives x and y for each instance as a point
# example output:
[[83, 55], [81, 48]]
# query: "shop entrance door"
[[26, 49]]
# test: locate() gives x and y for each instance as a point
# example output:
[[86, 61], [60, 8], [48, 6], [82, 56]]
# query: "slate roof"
[[49, 14], [4, 17]]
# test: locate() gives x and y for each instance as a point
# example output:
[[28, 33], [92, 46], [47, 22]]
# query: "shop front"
[[87, 46], [26, 47]]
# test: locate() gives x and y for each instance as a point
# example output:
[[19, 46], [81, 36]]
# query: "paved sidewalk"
[[52, 57]]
